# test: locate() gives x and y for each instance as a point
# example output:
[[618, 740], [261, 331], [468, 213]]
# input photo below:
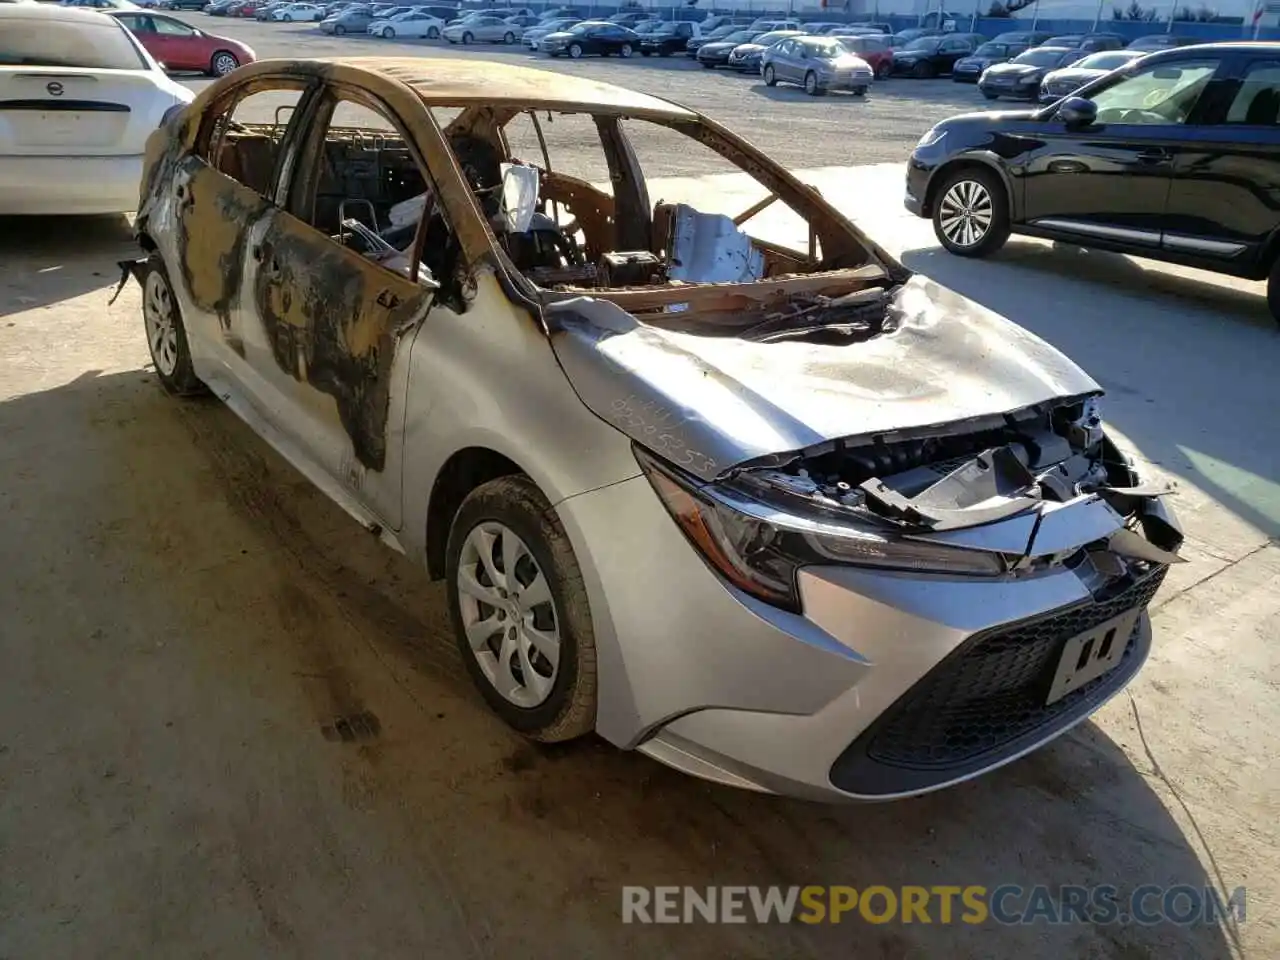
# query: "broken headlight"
[[758, 547]]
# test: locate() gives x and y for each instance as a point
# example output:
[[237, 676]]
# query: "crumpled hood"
[[710, 403]]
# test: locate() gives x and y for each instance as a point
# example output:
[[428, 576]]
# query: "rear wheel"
[[509, 38], [520, 611], [990, 96], [223, 62], [770, 78], [884, 70], [971, 214], [922, 70], [166, 335]]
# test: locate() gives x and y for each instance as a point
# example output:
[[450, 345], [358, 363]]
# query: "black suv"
[[1175, 157]]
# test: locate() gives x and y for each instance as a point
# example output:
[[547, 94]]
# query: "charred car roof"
[[465, 83]]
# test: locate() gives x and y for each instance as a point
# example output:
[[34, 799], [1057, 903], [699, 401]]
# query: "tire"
[[922, 70], [625, 51], [644, 53], [388, 33], [339, 29], [222, 63], [1273, 291], [811, 84], [287, 18], [859, 91], [884, 71], [494, 512], [991, 96], [433, 33], [770, 78], [468, 37], [971, 212], [165, 332], [708, 64], [509, 38], [575, 51]]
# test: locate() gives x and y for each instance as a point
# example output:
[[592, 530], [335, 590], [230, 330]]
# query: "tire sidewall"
[[183, 381], [769, 78], [997, 233], [485, 504], [575, 51]]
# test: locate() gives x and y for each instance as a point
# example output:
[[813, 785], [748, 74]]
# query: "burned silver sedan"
[[762, 505]]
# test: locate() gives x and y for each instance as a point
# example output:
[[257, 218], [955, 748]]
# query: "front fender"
[[985, 158]]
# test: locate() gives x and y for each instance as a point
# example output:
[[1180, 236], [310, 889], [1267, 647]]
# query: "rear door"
[[1110, 181], [1226, 175], [332, 315]]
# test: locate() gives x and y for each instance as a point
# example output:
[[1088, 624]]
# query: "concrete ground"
[[185, 617]]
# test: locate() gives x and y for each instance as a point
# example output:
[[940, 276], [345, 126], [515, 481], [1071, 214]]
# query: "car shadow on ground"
[[61, 257], [284, 614], [788, 92], [1197, 411]]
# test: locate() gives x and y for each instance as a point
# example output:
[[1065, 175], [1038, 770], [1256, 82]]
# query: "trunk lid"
[[56, 111]]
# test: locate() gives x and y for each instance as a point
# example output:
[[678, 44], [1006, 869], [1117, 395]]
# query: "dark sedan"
[[1020, 78], [969, 69], [591, 38], [748, 57], [934, 56], [666, 38], [721, 32], [717, 54], [1173, 157], [1087, 42], [1061, 83], [1161, 41]]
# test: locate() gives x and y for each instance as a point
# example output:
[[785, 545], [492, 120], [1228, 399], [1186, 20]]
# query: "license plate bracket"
[[1090, 654]]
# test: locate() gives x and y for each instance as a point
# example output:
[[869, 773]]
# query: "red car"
[[874, 50], [180, 46]]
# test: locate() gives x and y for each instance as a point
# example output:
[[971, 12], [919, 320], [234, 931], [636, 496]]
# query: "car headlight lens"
[[759, 547], [932, 136]]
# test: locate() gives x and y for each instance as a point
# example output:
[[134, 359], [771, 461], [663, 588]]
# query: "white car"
[[411, 23], [78, 98], [533, 36], [299, 12]]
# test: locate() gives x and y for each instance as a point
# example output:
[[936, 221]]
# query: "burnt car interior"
[[663, 262]]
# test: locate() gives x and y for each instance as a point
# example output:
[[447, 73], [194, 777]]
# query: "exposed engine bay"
[[1049, 454]]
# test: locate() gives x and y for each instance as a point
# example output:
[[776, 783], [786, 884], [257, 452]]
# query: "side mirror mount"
[[1078, 112]]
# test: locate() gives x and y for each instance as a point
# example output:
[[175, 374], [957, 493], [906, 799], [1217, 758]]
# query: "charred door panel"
[[215, 214], [331, 319]]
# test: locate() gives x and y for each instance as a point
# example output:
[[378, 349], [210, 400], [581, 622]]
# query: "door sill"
[[304, 464]]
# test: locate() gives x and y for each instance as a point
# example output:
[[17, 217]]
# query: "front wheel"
[[770, 78], [433, 33], [990, 96], [971, 215], [922, 71], [520, 611], [388, 33], [468, 37], [811, 84], [625, 50], [166, 334], [575, 51], [339, 30], [859, 91], [884, 71]]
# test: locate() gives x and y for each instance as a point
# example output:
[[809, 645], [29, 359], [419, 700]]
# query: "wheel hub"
[[966, 213]]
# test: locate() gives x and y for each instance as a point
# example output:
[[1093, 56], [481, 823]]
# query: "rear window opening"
[[64, 44]]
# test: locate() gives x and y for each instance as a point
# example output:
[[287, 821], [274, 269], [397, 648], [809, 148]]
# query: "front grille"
[[986, 700]]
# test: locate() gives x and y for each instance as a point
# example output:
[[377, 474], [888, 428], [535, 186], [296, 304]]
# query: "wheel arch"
[[465, 470], [968, 161]]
